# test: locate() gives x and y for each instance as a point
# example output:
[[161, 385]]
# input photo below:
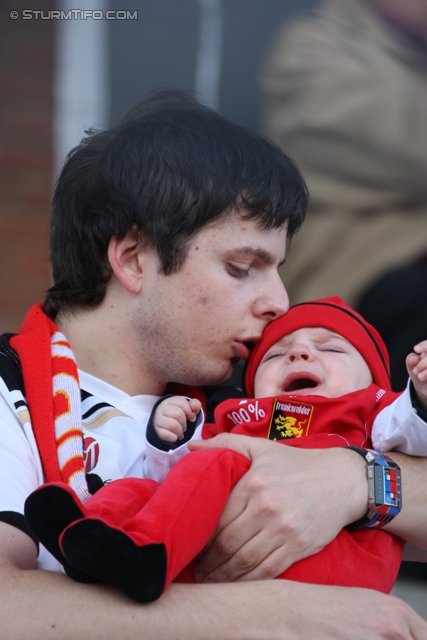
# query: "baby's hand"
[[416, 364], [171, 416]]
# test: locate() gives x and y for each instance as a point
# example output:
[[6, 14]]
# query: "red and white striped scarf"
[[52, 393]]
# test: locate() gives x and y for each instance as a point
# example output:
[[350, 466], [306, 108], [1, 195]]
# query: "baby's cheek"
[[264, 383]]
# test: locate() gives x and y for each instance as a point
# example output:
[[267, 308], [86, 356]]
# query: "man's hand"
[[171, 416], [343, 613], [290, 504], [284, 610], [416, 364]]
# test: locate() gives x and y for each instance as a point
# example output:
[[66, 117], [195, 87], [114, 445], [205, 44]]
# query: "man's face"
[[311, 361], [193, 325]]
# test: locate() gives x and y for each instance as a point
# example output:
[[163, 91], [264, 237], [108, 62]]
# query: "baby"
[[318, 378]]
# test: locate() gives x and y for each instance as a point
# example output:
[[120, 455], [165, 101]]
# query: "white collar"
[[136, 407]]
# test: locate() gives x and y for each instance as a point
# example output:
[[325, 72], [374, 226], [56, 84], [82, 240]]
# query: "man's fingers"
[[418, 628], [406, 623], [241, 563], [259, 559], [248, 532], [254, 546], [223, 560], [270, 567], [242, 444]]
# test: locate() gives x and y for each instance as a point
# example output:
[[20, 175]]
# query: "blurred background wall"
[[26, 117]]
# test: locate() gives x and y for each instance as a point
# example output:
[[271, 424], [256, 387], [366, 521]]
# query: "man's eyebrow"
[[263, 254]]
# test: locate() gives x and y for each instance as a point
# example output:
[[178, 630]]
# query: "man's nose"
[[273, 301]]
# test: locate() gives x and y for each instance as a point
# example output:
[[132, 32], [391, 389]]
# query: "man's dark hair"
[[171, 166]]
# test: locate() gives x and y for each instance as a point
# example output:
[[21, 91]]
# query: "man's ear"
[[126, 258]]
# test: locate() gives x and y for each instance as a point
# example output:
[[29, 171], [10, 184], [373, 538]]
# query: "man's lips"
[[243, 348], [298, 381]]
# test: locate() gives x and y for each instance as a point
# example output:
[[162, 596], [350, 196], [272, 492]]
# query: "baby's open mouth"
[[300, 383]]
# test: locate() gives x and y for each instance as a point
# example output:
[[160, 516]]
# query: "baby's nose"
[[299, 352]]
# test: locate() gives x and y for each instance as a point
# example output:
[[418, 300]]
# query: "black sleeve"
[[414, 401], [17, 520], [157, 442]]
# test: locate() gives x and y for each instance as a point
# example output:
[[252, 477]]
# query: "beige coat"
[[346, 97]]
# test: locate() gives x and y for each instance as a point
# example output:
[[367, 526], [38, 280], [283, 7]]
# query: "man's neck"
[[105, 348]]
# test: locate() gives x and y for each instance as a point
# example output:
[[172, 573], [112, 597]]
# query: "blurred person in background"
[[346, 96]]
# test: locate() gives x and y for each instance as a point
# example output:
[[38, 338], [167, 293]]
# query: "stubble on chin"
[[163, 350]]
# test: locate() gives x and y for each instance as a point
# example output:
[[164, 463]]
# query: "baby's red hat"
[[329, 313]]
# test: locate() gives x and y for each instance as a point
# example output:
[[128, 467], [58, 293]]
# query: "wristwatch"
[[384, 489]]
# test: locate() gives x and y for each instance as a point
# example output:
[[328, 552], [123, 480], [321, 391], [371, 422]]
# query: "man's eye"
[[237, 272]]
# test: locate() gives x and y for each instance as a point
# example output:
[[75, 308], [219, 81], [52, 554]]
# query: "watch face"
[[387, 490]]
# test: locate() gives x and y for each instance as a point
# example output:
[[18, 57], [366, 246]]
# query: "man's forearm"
[[411, 523], [39, 604]]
